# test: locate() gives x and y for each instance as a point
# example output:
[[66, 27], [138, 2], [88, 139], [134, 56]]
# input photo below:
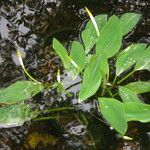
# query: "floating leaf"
[[15, 115], [139, 87], [62, 52], [137, 112], [110, 38], [128, 95], [129, 57], [19, 91], [77, 54], [144, 61], [89, 35], [114, 113], [128, 21], [92, 77]]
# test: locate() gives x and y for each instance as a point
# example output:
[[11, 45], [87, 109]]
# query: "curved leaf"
[[139, 87], [110, 38], [128, 21], [92, 77], [144, 61], [89, 35], [128, 95], [113, 111], [19, 91], [137, 112], [129, 57]]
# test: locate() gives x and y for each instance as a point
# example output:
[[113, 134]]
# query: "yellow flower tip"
[[58, 75], [93, 21], [127, 138]]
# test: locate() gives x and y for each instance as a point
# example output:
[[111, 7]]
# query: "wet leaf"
[[110, 38], [144, 61], [93, 74], [129, 21], [114, 113], [129, 57], [77, 54], [89, 35], [19, 91], [62, 52], [139, 87], [137, 112], [127, 95], [15, 115]]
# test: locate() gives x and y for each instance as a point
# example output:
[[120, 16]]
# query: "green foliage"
[[110, 38], [19, 91], [128, 21]]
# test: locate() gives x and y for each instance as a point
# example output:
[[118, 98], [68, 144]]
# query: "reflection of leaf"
[[129, 57], [15, 115], [128, 21], [93, 74], [89, 35], [19, 91], [144, 61], [139, 87], [110, 38], [127, 95], [137, 111], [113, 111]]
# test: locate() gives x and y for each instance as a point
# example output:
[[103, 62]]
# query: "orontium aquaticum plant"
[[89, 58]]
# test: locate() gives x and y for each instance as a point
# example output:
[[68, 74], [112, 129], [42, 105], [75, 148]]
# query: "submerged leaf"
[[89, 35], [93, 74], [128, 95], [137, 112], [139, 87], [15, 115], [144, 61], [129, 57], [19, 91], [128, 21], [110, 38], [114, 113]]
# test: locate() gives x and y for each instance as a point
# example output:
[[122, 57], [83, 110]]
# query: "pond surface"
[[30, 25]]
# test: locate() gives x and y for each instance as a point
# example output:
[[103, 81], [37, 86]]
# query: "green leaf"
[[139, 87], [92, 77], [15, 115], [114, 113], [128, 21], [144, 61], [77, 54], [62, 52], [110, 38], [128, 95], [137, 112], [89, 35], [19, 91], [129, 57]]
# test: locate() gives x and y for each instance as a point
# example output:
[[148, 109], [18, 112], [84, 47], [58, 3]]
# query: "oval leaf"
[[144, 61], [137, 112], [113, 111], [15, 115], [128, 21], [77, 54], [129, 57], [19, 91], [89, 35], [110, 38], [128, 95], [139, 87], [92, 77]]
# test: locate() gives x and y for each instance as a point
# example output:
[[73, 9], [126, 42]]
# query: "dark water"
[[30, 25]]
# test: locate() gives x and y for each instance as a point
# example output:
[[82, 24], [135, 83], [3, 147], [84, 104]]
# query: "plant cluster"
[[89, 59]]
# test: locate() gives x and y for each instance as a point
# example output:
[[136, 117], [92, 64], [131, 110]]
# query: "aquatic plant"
[[119, 103]]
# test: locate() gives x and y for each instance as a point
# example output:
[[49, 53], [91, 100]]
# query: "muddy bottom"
[[30, 26]]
